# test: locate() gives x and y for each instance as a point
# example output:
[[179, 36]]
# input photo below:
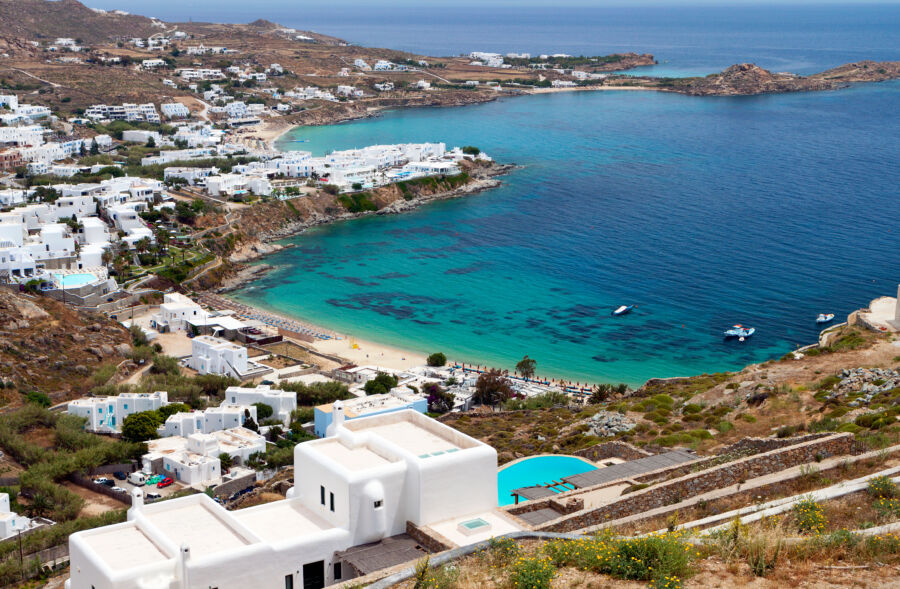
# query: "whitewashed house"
[[212, 419], [106, 414], [283, 403], [374, 478]]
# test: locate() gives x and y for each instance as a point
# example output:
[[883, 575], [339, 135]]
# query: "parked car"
[[154, 479], [120, 475], [119, 490], [101, 480], [153, 496], [164, 483]]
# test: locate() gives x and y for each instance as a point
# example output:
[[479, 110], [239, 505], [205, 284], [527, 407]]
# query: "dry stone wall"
[[718, 477]]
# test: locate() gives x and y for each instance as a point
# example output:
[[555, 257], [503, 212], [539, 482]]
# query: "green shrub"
[[437, 359], [501, 552], [883, 487], [809, 517], [532, 573], [38, 398], [691, 408]]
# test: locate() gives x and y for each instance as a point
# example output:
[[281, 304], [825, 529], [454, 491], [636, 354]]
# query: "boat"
[[739, 331], [623, 309], [825, 317]]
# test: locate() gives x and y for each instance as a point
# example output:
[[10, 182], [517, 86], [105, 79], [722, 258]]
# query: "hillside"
[[41, 20], [49, 347], [747, 79]]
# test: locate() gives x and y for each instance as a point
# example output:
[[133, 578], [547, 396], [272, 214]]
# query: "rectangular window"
[[378, 504], [337, 571], [289, 582], [332, 501], [126, 406], [322, 494]]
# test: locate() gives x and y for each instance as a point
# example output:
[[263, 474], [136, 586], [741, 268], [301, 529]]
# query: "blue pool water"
[[537, 470], [73, 280]]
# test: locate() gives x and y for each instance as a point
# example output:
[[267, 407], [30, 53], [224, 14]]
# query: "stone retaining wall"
[[233, 486], [718, 477], [617, 449], [430, 541]]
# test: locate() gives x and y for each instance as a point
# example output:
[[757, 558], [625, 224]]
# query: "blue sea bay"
[[702, 211]]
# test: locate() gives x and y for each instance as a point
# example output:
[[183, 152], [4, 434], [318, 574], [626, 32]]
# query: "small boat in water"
[[825, 317], [739, 331], [623, 309]]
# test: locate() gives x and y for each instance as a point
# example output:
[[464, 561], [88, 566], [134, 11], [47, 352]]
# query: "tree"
[[439, 400], [226, 461], [142, 245], [263, 411], [492, 388], [95, 149], [526, 366], [249, 423], [381, 384], [140, 427], [171, 409], [471, 150], [151, 142], [437, 359]]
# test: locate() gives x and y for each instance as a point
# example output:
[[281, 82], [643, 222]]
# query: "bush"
[[437, 359], [263, 411], [471, 150], [38, 398], [140, 427], [882, 487], [809, 517], [501, 552], [662, 558], [532, 573]]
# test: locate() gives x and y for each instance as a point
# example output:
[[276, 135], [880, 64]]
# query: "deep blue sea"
[[702, 211]]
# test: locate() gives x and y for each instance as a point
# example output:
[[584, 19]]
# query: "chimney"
[[183, 557], [137, 503], [337, 415]]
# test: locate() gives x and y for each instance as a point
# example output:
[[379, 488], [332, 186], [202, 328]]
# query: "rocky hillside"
[[43, 20], [747, 79], [48, 347]]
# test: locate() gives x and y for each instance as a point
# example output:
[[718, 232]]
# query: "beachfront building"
[[283, 403], [213, 355], [106, 414], [175, 312], [366, 484], [396, 400], [212, 419]]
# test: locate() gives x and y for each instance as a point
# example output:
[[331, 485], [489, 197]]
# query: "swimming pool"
[[73, 280], [537, 470]]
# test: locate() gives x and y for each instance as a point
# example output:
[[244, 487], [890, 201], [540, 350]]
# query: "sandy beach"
[[369, 353], [586, 89]]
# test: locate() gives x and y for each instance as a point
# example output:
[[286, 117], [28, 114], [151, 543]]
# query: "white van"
[[137, 478]]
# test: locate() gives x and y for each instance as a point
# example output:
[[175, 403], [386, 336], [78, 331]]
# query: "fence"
[[98, 488]]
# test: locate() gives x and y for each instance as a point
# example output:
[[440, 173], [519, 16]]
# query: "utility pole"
[[21, 557]]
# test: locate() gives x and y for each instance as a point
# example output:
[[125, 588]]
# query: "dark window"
[[289, 582], [314, 575], [322, 494], [337, 571], [378, 503], [332, 501]]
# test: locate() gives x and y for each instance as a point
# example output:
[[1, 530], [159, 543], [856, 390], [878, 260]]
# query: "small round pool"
[[537, 470], [73, 280]]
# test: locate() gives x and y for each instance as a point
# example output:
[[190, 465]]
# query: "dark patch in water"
[[467, 269]]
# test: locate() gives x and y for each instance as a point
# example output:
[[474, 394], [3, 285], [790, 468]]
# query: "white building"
[[367, 483], [283, 403], [175, 110], [212, 419], [213, 355], [11, 523], [194, 459], [149, 64], [106, 414], [174, 312]]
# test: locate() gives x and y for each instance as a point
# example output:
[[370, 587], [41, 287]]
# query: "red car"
[[164, 483]]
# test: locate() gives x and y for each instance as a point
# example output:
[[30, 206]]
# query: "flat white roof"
[[413, 438], [124, 548], [281, 520], [359, 458], [197, 526]]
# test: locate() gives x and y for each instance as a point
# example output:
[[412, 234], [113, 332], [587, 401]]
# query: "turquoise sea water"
[[702, 211], [538, 470]]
